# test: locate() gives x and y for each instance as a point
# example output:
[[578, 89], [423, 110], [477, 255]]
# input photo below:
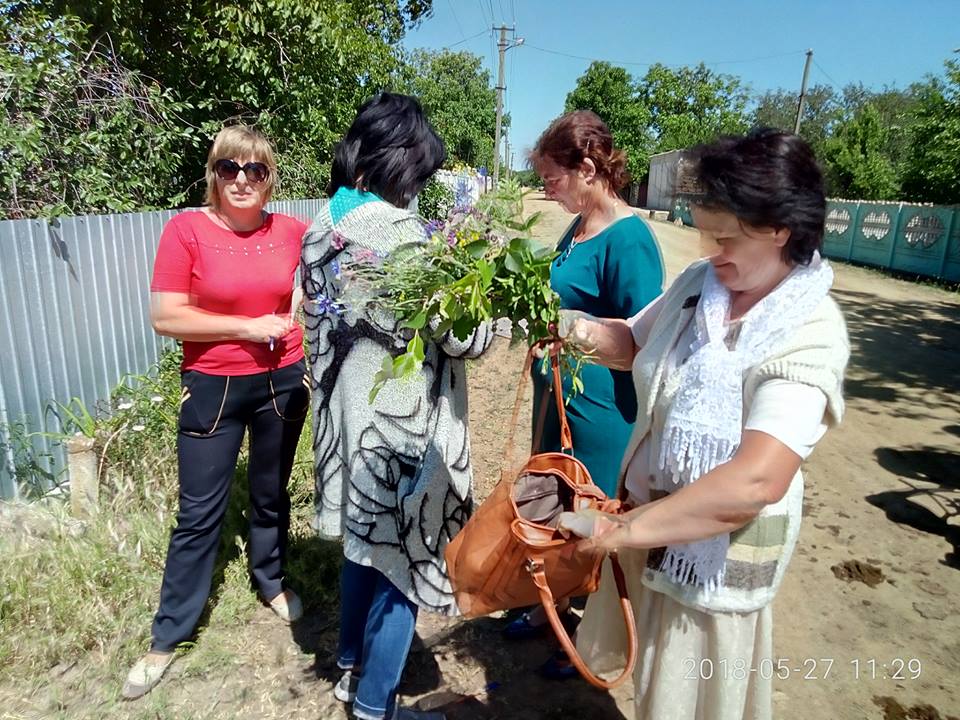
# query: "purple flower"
[[335, 267], [451, 238], [327, 305], [433, 226], [338, 241]]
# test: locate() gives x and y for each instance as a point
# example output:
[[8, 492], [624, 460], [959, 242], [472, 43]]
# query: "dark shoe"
[[558, 667], [522, 629]]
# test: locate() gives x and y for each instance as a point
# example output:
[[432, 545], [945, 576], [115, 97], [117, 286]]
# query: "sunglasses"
[[254, 172]]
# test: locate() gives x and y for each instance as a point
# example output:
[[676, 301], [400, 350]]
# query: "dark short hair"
[[390, 149], [578, 135], [767, 178]]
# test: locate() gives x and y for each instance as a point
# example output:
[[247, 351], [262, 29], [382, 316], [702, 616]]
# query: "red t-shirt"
[[232, 273]]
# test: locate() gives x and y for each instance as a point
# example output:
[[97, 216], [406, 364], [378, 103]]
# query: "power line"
[[456, 20], [503, 15], [492, 14], [648, 64], [468, 39], [483, 13], [820, 68]]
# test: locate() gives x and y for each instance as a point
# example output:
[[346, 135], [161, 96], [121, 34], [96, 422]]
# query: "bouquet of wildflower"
[[476, 266]]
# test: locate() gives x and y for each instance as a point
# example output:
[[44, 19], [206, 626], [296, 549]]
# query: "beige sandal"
[[145, 674]]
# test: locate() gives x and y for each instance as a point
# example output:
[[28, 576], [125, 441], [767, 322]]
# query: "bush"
[[435, 200]]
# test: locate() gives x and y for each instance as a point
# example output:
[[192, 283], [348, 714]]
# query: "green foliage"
[[87, 131], [821, 110], [478, 266], [691, 105], [528, 178], [435, 200], [457, 97], [609, 91], [932, 170], [32, 468], [856, 163], [667, 109], [79, 132]]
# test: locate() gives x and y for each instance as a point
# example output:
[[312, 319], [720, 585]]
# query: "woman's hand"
[[597, 528], [266, 327], [607, 341]]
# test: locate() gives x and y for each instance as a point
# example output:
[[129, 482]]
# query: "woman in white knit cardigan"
[[738, 370]]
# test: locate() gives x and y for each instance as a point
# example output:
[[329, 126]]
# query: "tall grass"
[[80, 607]]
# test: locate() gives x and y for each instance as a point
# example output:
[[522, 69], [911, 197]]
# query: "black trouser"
[[215, 411]]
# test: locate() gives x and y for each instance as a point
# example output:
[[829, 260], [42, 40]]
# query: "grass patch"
[[76, 609]]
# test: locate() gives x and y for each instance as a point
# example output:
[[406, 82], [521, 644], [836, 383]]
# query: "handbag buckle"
[[533, 565]]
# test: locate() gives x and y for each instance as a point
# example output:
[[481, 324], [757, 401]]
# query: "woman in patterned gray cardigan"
[[393, 477]]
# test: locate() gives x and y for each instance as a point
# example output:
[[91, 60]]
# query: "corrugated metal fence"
[[74, 317], [920, 239]]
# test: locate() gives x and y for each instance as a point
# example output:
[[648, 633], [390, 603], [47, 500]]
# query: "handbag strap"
[[539, 575], [566, 438]]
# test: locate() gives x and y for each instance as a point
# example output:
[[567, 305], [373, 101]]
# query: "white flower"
[[139, 428], [156, 399], [125, 405]]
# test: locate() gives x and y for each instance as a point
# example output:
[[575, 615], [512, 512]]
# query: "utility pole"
[[803, 92], [503, 46], [506, 154]]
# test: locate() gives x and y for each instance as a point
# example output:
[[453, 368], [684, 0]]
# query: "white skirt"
[[691, 665]]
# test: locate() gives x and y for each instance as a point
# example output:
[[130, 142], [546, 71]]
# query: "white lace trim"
[[705, 421]]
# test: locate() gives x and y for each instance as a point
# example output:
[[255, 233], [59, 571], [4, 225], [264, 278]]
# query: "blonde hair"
[[240, 142]]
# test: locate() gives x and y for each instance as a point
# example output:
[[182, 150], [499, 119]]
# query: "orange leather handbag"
[[510, 554]]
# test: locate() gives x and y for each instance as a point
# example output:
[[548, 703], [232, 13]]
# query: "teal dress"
[[614, 274]]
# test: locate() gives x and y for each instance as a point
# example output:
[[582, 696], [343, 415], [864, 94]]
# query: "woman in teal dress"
[[608, 262]]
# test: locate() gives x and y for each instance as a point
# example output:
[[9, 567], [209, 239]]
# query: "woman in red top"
[[222, 284]]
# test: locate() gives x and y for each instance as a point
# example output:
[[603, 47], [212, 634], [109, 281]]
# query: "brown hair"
[[240, 142], [576, 136]]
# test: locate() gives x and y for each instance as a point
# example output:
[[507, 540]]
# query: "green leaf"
[[415, 348], [417, 322], [513, 263], [485, 270], [477, 248], [463, 327]]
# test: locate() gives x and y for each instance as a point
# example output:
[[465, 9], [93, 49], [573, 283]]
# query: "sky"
[[874, 42]]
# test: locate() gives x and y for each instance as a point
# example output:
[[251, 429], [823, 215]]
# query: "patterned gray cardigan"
[[393, 478]]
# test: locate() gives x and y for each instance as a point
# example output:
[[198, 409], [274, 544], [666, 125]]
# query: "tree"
[[856, 164], [456, 95], [932, 170], [298, 70], [692, 105], [821, 111], [609, 91], [79, 133]]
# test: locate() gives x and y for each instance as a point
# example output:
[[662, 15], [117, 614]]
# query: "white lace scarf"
[[705, 419]]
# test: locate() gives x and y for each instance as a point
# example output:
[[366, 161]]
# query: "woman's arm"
[[723, 500], [611, 342], [173, 315], [608, 341]]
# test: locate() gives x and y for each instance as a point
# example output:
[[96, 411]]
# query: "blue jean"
[[377, 622]]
